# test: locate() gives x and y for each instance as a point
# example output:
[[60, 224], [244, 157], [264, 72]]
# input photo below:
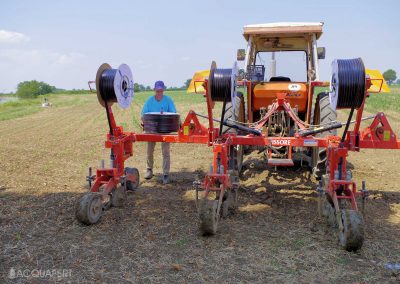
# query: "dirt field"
[[276, 236]]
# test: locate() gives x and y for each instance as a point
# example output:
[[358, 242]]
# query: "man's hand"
[[141, 124]]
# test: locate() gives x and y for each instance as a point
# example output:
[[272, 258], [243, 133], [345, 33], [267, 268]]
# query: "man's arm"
[[145, 109], [171, 106]]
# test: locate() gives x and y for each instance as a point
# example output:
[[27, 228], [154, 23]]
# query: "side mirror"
[[241, 55], [241, 74], [321, 52]]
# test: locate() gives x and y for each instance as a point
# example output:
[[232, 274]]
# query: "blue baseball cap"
[[159, 85]]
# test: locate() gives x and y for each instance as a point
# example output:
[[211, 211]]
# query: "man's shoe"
[[165, 179], [148, 174]]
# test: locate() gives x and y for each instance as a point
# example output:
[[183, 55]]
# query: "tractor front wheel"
[[235, 114], [323, 115]]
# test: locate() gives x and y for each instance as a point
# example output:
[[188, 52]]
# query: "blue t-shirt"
[[152, 105]]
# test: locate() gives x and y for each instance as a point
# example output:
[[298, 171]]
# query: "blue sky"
[[64, 42]]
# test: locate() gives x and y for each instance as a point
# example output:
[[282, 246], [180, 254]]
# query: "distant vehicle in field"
[[46, 103]]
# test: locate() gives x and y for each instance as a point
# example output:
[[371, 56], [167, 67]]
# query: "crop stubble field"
[[276, 236]]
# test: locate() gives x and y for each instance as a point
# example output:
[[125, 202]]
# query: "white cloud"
[[69, 58], [60, 69], [40, 56], [185, 58], [12, 37]]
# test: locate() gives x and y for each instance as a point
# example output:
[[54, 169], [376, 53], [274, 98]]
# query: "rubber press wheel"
[[229, 202], [323, 114], [208, 216], [89, 208], [329, 212], [352, 236], [132, 178], [118, 196]]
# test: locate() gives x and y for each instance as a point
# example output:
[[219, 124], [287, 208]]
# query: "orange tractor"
[[280, 114]]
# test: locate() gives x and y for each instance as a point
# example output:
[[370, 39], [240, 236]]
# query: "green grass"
[[378, 102], [19, 108], [385, 101], [23, 107], [14, 109]]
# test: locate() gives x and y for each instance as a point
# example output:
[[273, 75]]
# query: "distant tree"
[[187, 83], [32, 89], [398, 82], [141, 88], [390, 76], [136, 87]]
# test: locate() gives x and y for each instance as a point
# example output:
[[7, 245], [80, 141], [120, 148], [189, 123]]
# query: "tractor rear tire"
[[323, 114], [352, 236], [235, 114], [208, 216]]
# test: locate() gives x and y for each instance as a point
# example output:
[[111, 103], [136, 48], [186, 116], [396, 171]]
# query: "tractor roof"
[[284, 29], [282, 36]]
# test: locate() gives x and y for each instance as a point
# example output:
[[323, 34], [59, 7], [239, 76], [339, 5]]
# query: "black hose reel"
[[114, 85], [347, 89], [348, 84], [222, 87], [222, 83]]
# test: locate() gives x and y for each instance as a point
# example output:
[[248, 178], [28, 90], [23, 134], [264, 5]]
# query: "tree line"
[[141, 88], [34, 88]]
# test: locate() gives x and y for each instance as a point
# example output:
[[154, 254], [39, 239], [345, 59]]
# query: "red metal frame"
[[338, 181], [378, 135]]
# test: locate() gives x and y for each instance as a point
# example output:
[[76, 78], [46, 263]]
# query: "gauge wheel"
[[89, 208], [132, 178]]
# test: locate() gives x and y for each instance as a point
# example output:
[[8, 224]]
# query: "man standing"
[[158, 103]]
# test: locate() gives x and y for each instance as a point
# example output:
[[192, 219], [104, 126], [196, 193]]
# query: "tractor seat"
[[280, 79]]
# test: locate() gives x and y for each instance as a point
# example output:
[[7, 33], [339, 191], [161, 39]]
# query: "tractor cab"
[[281, 58]]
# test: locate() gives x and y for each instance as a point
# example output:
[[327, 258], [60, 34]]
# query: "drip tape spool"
[[157, 122], [222, 83], [114, 85], [347, 83]]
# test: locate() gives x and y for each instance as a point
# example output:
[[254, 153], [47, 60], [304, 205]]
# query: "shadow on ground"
[[155, 238]]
